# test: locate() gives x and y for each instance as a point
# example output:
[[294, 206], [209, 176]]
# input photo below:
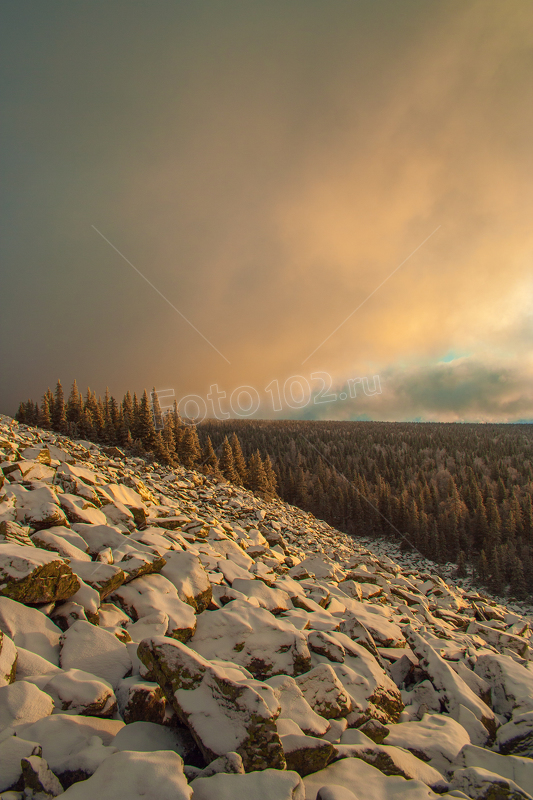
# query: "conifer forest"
[[454, 492]]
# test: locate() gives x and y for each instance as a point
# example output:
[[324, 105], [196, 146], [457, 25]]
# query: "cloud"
[[267, 168]]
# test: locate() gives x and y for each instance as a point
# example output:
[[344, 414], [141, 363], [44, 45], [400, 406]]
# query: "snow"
[[12, 750], [295, 707], [150, 594], [31, 629], [23, 702], [63, 737], [89, 648], [292, 628], [269, 784], [438, 737], [129, 775], [147, 737], [352, 773]]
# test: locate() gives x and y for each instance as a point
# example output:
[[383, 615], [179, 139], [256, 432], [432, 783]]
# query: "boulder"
[[436, 738], [254, 638], [453, 690], [306, 754], [105, 578], [326, 645], [269, 784], [77, 692], [48, 539], [73, 746], [91, 649], [23, 702], [154, 593], [140, 701], [12, 750], [480, 784], [14, 533], [8, 660], [395, 761], [30, 629], [185, 571], [517, 769], [33, 575], [366, 781], [78, 509], [324, 692], [516, 736], [511, 683], [129, 775], [39, 780], [295, 707], [221, 714]]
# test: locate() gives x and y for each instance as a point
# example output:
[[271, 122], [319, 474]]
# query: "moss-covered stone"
[[32, 575]]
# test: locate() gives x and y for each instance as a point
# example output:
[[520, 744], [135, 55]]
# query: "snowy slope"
[[166, 635]]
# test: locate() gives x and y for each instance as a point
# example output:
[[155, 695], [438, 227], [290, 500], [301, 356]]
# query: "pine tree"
[[209, 459], [127, 410], [74, 408], [59, 419], [227, 463], [189, 452], [160, 449], [156, 410], [257, 480], [135, 421], [461, 565], [45, 419], [146, 431], [169, 436], [238, 459], [20, 416], [270, 475]]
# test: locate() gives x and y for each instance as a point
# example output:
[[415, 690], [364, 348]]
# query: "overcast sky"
[[266, 166]]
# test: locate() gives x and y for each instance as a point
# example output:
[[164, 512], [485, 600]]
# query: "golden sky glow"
[[267, 166]]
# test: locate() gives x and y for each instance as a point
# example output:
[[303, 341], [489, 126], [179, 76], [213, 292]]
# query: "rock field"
[[165, 635]]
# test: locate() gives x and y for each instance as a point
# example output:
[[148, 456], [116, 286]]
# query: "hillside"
[[166, 634]]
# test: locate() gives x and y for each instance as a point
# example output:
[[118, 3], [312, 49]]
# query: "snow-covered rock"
[[91, 649], [30, 629], [150, 594], [185, 571], [130, 775], [269, 784], [221, 714], [368, 782], [22, 702], [303, 646], [8, 659], [33, 575], [324, 692], [511, 683]]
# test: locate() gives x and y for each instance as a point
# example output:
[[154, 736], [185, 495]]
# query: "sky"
[[294, 196]]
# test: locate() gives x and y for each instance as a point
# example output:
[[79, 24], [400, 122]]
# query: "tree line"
[[143, 430], [454, 492]]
